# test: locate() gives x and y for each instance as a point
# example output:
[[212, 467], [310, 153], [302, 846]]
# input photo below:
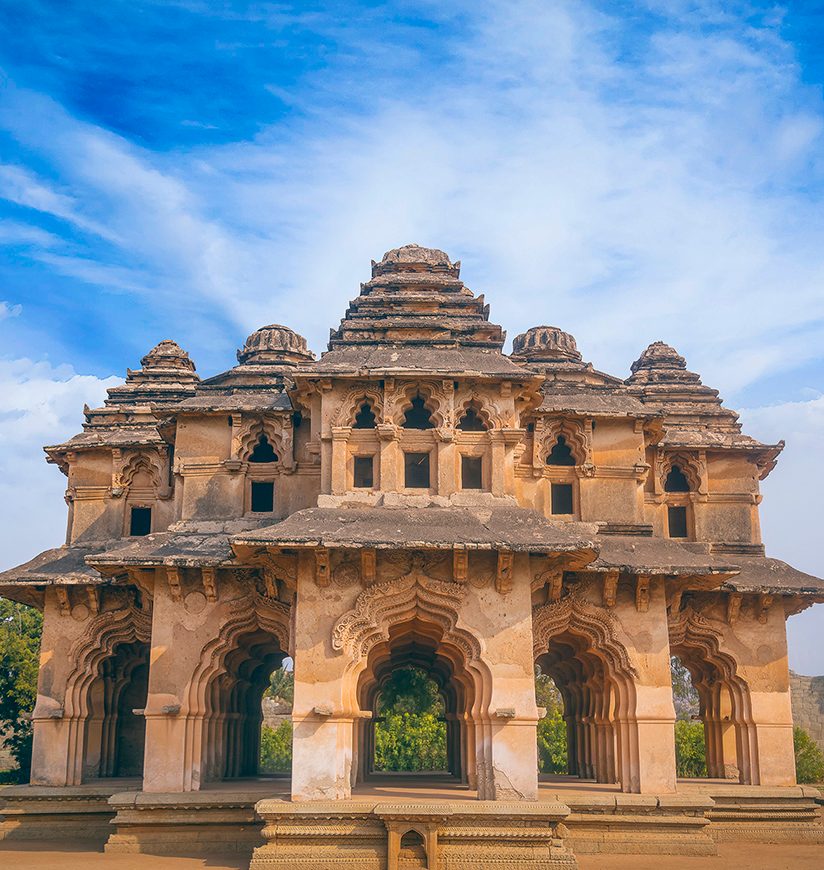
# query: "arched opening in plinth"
[[713, 731], [233, 711], [418, 650], [115, 728]]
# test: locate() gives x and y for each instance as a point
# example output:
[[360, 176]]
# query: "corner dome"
[[545, 344], [167, 354], [274, 344]]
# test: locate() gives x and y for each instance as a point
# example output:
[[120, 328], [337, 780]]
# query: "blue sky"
[[627, 171]]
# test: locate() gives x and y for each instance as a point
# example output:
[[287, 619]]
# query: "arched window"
[[471, 421], [561, 453], [263, 451], [365, 418], [418, 416], [676, 481]]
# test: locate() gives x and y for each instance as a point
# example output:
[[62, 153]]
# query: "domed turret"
[[167, 354], [274, 344], [545, 344], [414, 258], [660, 361]]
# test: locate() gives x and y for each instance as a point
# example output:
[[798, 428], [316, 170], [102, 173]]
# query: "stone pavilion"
[[415, 496]]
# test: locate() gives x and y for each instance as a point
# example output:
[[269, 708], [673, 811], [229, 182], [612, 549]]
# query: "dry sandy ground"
[[732, 856]]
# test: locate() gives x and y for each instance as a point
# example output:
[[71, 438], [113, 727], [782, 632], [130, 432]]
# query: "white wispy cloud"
[[9, 310], [41, 404], [674, 194], [789, 518]]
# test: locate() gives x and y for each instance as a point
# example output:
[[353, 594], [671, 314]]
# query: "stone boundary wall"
[[808, 705]]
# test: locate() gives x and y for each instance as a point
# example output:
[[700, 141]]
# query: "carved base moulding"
[[439, 836]]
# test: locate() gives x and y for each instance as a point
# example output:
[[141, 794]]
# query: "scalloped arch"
[[351, 404], [575, 436]]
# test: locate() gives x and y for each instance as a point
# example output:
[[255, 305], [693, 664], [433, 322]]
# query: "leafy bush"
[[276, 748], [552, 743], [809, 759], [410, 741], [690, 758], [20, 629]]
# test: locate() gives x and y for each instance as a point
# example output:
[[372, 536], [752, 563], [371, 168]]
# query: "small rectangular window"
[[416, 470], [562, 498], [677, 521], [471, 468], [140, 521], [263, 497], [364, 472]]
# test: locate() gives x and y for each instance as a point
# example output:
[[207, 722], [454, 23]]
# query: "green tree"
[[690, 758], [684, 696], [552, 733], [410, 733], [276, 748], [20, 629], [809, 759], [282, 685]]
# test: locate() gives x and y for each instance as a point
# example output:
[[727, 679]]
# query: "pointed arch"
[[352, 403], [266, 427], [575, 436]]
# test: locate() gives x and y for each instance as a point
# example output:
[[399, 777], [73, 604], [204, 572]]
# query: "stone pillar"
[[448, 473], [340, 437], [322, 722], [391, 470], [57, 753], [496, 438], [512, 772], [649, 744]]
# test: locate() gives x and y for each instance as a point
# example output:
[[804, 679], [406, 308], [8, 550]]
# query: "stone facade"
[[808, 705], [413, 497]]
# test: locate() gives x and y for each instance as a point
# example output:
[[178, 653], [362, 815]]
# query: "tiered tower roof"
[[415, 314]]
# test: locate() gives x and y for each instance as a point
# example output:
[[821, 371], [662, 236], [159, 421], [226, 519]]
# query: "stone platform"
[[571, 817], [452, 835], [31, 812], [761, 814]]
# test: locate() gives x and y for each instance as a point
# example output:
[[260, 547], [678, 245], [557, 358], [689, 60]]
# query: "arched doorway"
[[233, 712], [575, 645], [115, 731], [419, 650], [724, 706]]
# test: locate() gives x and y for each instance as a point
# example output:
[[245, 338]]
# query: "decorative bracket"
[[610, 588], [173, 578], [63, 599], [733, 607], [460, 565], [642, 593], [503, 578], [369, 565], [764, 603], [210, 584], [322, 570], [94, 599], [555, 586]]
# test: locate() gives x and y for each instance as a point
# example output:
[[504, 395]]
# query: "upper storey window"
[[140, 521], [365, 418], [561, 453], [676, 481], [263, 451], [418, 416], [471, 421]]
